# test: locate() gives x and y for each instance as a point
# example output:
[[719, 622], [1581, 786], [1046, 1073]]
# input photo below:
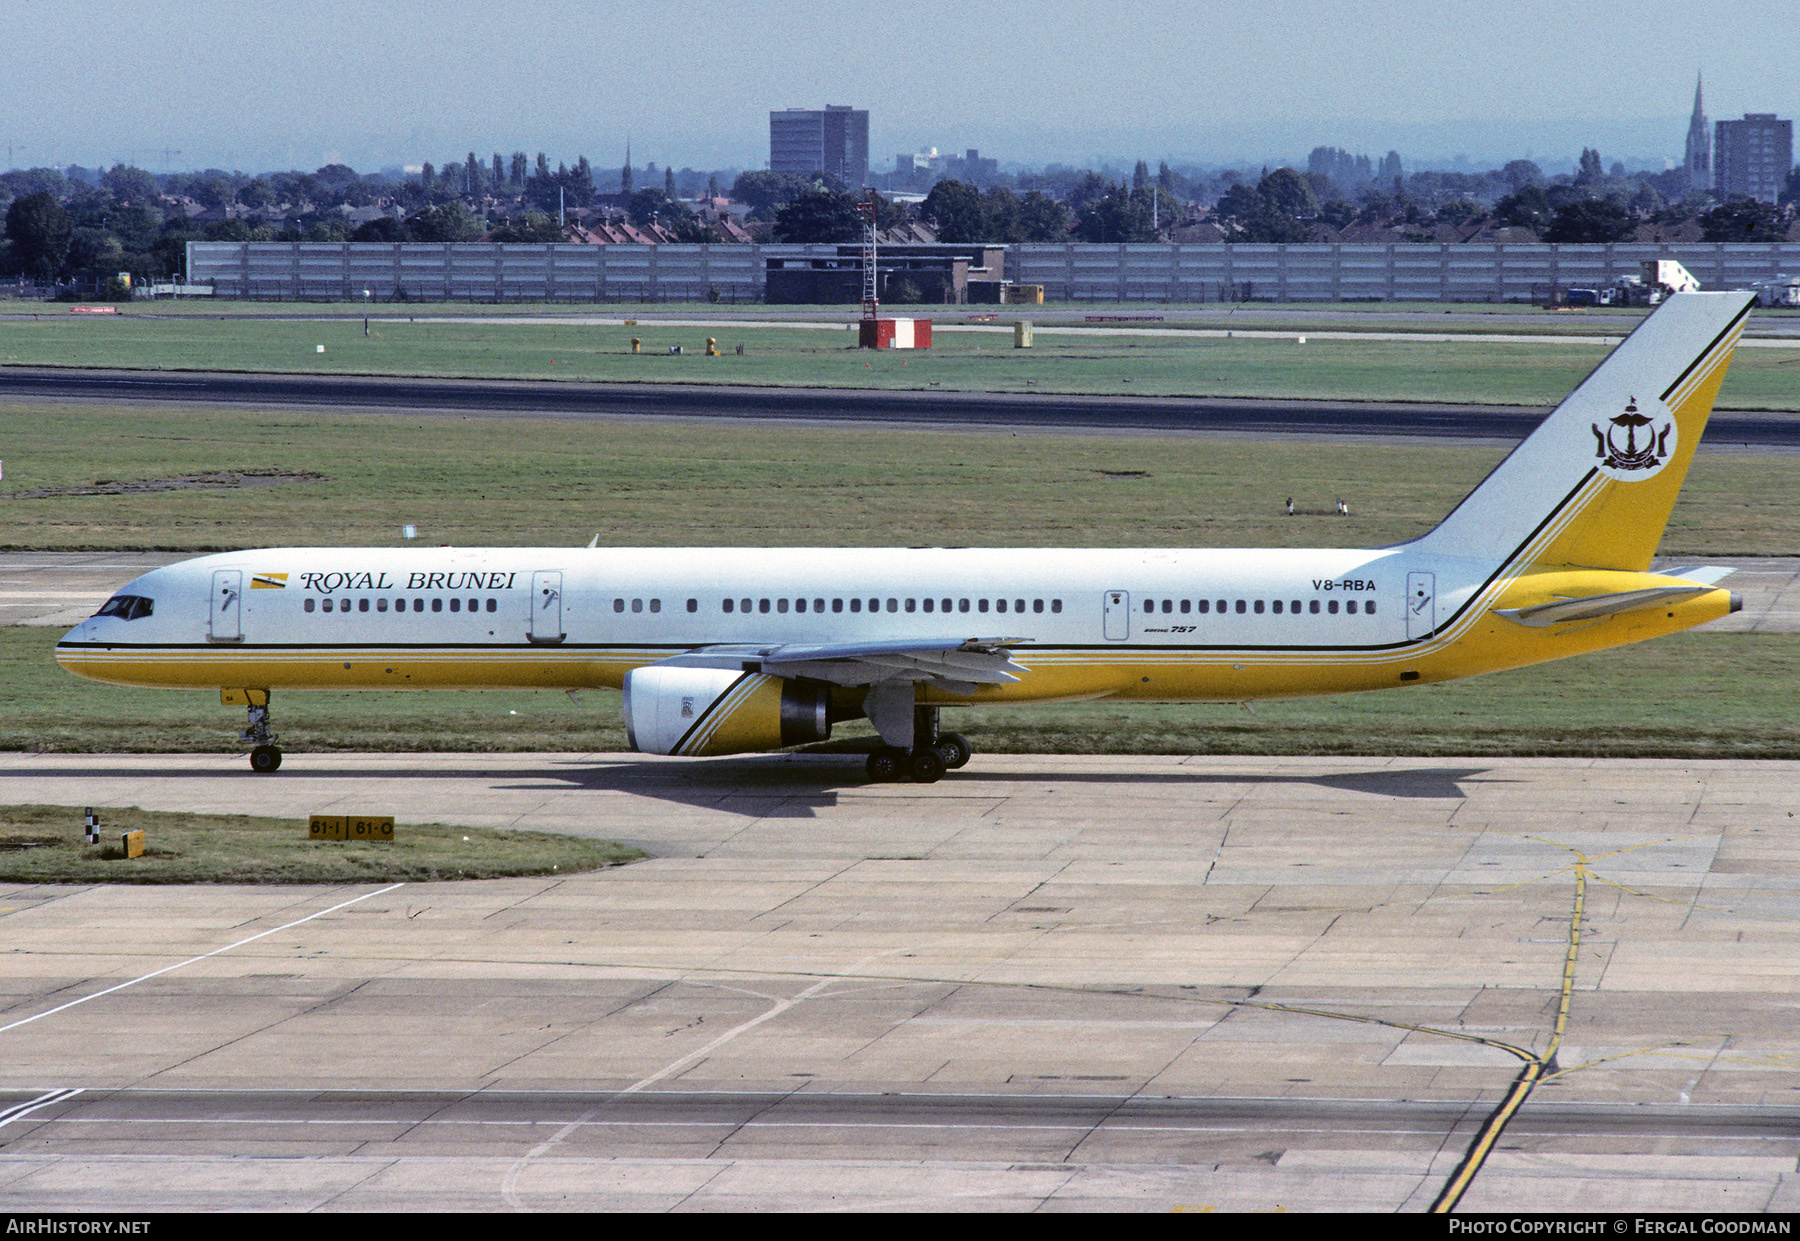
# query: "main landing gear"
[[932, 754], [265, 757]]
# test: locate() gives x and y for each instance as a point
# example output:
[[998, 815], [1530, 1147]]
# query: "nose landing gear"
[[265, 757]]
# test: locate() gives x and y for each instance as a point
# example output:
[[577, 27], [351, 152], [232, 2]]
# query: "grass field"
[[96, 477], [1688, 696], [1090, 363], [43, 844]]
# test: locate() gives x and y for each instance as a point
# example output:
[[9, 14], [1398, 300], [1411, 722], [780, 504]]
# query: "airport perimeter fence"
[[1072, 272]]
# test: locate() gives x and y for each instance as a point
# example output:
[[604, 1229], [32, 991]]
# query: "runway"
[[1051, 983], [934, 409]]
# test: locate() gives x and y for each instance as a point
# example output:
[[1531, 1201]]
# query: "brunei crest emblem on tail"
[[1637, 443]]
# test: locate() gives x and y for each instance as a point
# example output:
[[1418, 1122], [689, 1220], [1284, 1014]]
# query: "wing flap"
[[959, 666]]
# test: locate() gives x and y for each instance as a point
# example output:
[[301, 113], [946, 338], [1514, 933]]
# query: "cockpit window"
[[127, 607]]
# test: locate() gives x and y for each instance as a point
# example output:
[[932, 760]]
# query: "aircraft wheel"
[[925, 767], [885, 764], [264, 759], [954, 749]]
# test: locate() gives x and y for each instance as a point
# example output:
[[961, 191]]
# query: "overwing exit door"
[[1117, 609], [546, 606]]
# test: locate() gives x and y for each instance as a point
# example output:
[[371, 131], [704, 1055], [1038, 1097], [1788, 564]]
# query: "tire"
[[925, 767], [264, 759], [884, 766], [954, 749]]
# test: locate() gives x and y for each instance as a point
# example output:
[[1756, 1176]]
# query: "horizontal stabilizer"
[[1711, 574], [1593, 607]]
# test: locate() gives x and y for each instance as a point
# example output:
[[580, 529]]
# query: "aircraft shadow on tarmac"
[[801, 790], [773, 788]]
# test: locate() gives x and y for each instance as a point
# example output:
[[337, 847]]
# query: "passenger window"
[[1277, 607], [1018, 605], [1056, 605], [1294, 607], [1313, 607], [762, 605], [618, 605], [693, 605], [418, 605], [305, 607], [1350, 607], [1331, 607], [981, 605], [1222, 606], [1037, 605], [1205, 605], [1184, 607], [456, 605], [929, 604], [856, 605], [837, 605], [381, 605], [362, 605], [1168, 606], [637, 605], [1149, 605], [437, 605], [781, 605], [962, 605], [947, 603], [728, 607], [799, 605], [474, 605], [1259, 607], [1369, 607], [493, 605], [999, 605], [893, 605], [1240, 606], [912, 605], [744, 605], [818, 605], [656, 605]]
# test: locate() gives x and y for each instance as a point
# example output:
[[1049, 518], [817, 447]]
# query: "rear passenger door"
[[1116, 607]]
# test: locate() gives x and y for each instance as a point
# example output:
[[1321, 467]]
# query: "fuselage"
[[1084, 623]]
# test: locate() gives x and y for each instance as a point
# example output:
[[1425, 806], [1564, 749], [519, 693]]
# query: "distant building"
[[924, 166], [1699, 145], [834, 142], [1751, 157]]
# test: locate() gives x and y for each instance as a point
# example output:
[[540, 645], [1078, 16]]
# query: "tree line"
[[61, 224]]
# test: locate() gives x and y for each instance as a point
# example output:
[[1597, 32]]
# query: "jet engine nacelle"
[[691, 711]]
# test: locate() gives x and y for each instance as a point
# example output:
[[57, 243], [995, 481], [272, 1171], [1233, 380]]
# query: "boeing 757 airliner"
[[731, 650]]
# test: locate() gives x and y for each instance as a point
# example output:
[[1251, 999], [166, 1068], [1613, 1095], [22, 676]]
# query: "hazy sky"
[[238, 84]]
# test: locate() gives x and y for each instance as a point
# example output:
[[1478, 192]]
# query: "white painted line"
[[25, 1021], [19, 1111]]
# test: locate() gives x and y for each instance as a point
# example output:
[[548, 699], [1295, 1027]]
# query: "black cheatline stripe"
[[1706, 352], [710, 708], [1512, 557]]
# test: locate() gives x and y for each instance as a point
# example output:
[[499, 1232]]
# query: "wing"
[[957, 666]]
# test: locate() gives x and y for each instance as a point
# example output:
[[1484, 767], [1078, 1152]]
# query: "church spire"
[[625, 174], [1699, 143]]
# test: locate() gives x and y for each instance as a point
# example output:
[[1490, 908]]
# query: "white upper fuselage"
[[665, 599]]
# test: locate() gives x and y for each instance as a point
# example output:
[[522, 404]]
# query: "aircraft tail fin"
[[1593, 485]]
